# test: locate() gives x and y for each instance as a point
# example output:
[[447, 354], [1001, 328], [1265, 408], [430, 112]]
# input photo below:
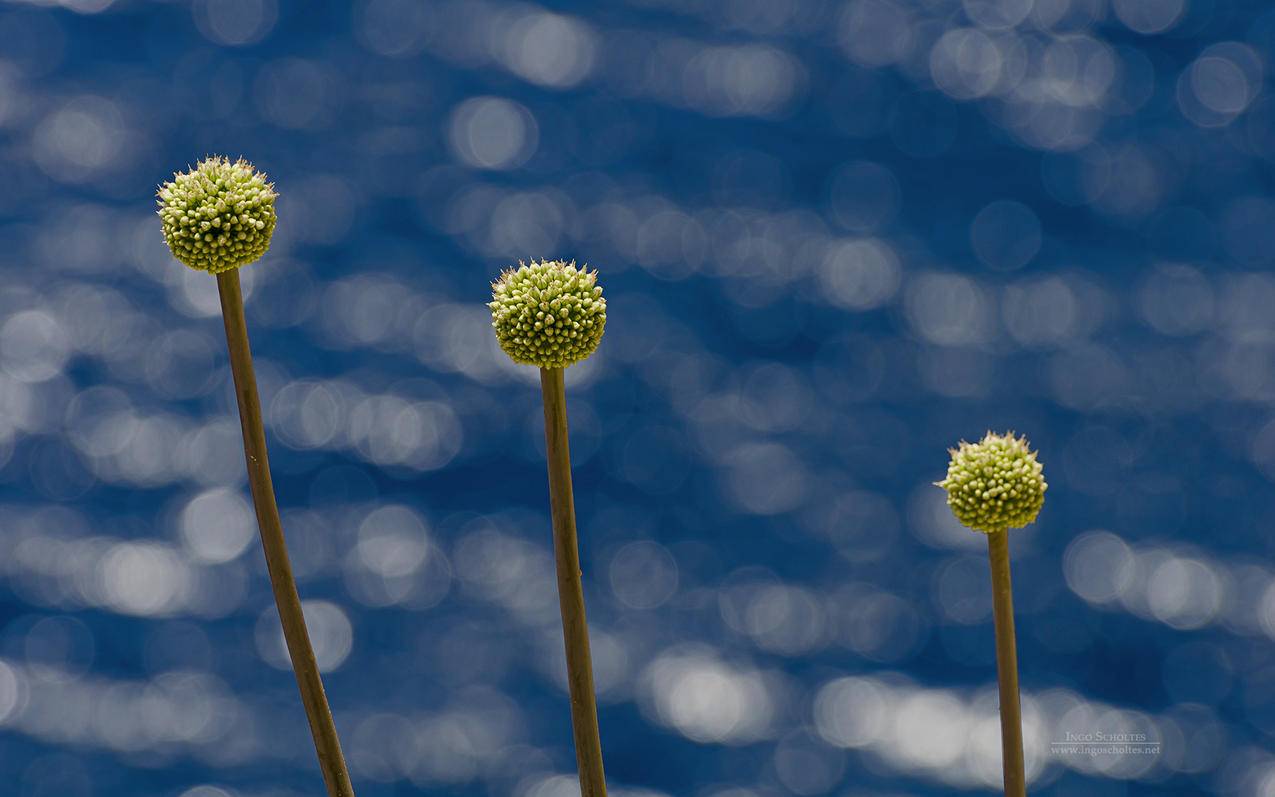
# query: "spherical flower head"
[[218, 216], [995, 484], [548, 314]]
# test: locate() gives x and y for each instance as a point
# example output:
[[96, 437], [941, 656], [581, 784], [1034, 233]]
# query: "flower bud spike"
[[217, 218], [993, 486], [551, 314]]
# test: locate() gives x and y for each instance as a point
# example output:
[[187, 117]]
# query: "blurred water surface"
[[836, 237]]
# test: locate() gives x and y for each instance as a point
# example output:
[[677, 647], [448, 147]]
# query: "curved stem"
[[575, 629], [288, 602], [1007, 665]]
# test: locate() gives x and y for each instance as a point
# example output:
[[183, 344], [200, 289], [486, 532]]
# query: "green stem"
[[1007, 665], [575, 629], [326, 743]]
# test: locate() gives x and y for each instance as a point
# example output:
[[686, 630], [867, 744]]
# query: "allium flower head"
[[548, 313], [995, 484], [218, 216]]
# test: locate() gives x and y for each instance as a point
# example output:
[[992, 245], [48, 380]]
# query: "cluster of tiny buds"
[[219, 215], [548, 313], [995, 484]]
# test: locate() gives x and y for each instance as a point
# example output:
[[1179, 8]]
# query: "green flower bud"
[[549, 313], [218, 216], [995, 484]]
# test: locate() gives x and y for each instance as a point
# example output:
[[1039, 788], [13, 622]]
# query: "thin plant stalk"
[[319, 714], [575, 629], [1007, 665]]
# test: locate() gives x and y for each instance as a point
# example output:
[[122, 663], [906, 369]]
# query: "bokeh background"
[[836, 237]]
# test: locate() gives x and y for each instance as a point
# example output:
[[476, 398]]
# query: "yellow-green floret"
[[218, 216], [995, 484], [548, 313]]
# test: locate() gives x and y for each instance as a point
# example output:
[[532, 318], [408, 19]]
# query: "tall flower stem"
[[575, 629], [319, 714], [1007, 665]]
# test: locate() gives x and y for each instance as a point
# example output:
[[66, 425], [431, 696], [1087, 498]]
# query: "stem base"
[[1007, 665], [575, 628], [326, 744]]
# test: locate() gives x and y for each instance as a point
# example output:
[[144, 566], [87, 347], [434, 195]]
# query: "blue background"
[[835, 238]]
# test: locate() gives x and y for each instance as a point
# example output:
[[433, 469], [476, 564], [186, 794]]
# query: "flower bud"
[[548, 314], [218, 216], [995, 484]]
